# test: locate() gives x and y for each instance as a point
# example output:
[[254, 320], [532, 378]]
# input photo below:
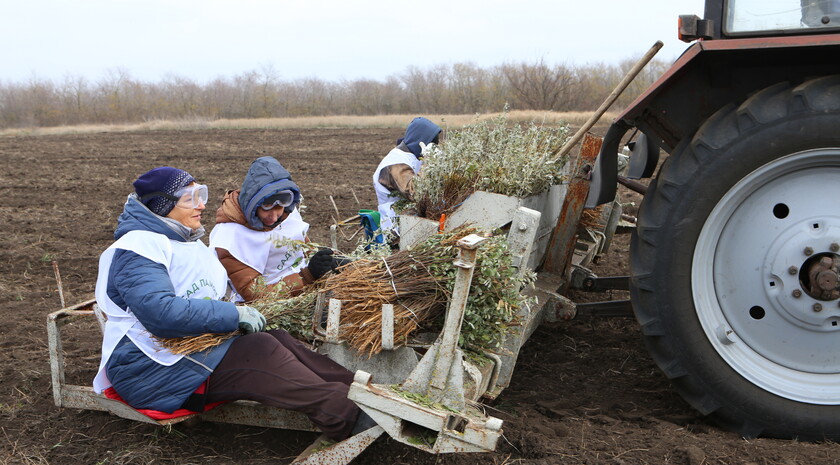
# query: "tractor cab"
[[756, 18]]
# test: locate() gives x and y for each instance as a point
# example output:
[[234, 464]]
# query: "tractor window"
[[748, 16]]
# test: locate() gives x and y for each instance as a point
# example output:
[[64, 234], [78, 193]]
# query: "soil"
[[584, 391]]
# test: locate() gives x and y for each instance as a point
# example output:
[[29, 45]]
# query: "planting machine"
[[735, 259], [426, 394]]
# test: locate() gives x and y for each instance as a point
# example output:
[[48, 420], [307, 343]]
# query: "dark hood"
[[419, 130], [265, 177]]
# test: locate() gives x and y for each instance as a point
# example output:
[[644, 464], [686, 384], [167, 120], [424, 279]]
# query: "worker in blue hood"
[[249, 223], [393, 178]]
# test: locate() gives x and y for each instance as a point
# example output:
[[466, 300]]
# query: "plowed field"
[[583, 391]]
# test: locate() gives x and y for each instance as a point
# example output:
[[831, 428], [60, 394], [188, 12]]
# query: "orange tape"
[[442, 222]]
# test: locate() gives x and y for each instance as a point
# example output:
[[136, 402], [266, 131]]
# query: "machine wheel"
[[735, 264]]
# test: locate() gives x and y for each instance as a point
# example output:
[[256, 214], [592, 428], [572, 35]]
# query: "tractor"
[[735, 259]]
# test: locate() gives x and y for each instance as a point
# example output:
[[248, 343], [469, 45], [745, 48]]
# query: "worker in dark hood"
[[250, 221], [393, 178]]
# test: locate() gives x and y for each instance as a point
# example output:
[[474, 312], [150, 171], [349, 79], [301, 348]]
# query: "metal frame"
[[439, 377]]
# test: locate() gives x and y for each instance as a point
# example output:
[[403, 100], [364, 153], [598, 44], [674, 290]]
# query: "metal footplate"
[[429, 410], [325, 452], [434, 430]]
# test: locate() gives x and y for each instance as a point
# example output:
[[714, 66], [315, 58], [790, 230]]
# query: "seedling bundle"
[[517, 160]]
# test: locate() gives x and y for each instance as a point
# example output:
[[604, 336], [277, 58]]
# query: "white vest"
[[195, 273], [383, 195], [257, 250]]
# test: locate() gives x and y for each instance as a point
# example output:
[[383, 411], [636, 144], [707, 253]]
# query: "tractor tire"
[[734, 216]]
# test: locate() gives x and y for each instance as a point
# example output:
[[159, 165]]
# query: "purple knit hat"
[[162, 180]]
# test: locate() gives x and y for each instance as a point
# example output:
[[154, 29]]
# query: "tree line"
[[461, 88]]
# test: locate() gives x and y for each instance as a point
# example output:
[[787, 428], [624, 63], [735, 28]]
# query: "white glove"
[[427, 149], [250, 319]]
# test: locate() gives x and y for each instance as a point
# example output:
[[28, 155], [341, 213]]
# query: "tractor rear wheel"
[[735, 264]]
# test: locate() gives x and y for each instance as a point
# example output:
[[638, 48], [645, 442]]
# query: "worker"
[[158, 280], [251, 220], [393, 178]]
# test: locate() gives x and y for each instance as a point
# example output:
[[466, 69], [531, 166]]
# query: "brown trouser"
[[276, 369]]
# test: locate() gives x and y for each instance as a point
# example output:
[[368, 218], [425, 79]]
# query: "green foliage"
[[372, 250], [492, 304], [420, 399], [516, 160], [293, 314], [425, 438], [494, 297], [477, 358]]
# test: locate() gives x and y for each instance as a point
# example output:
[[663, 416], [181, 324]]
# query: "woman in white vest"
[[158, 280], [251, 220], [393, 177]]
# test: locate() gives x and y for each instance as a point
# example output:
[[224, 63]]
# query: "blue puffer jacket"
[[144, 286], [265, 177]]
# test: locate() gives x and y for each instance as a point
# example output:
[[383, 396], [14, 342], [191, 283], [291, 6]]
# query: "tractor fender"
[[709, 75]]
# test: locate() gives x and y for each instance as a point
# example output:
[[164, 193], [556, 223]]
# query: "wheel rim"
[[744, 288]]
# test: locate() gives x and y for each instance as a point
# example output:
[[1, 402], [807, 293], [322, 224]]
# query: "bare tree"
[[456, 88], [540, 87]]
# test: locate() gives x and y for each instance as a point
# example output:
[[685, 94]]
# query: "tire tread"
[[658, 222]]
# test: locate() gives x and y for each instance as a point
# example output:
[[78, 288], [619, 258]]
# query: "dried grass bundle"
[[404, 280], [294, 314], [419, 283], [192, 344]]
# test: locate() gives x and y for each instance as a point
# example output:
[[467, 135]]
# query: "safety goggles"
[[191, 196], [282, 198]]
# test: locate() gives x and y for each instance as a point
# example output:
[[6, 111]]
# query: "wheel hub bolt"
[[834, 247], [808, 251], [793, 270], [797, 293], [817, 307]]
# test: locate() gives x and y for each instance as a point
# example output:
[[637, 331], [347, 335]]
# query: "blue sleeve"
[[144, 286]]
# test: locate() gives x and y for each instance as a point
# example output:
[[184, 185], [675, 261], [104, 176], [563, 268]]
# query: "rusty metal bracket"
[[425, 427], [439, 375], [562, 244], [325, 452]]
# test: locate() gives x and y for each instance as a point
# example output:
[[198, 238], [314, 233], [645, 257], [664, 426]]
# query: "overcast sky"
[[330, 39]]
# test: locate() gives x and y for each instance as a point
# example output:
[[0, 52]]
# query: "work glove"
[[427, 149], [339, 261], [320, 263], [250, 319]]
